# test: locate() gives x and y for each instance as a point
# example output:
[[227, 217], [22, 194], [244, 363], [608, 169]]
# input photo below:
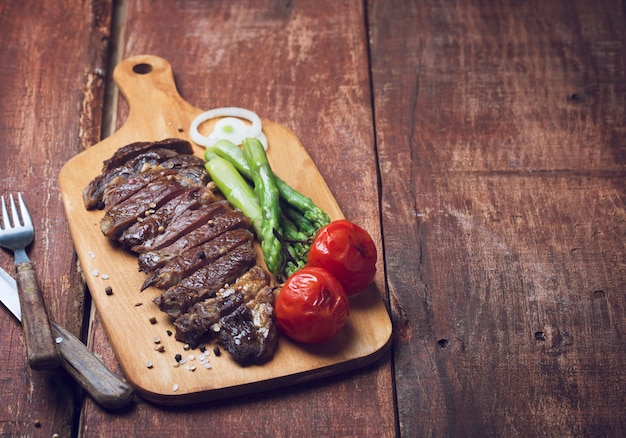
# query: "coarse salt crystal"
[[91, 254], [104, 276], [175, 387], [95, 273]]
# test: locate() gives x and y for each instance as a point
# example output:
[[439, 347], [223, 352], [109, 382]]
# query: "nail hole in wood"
[[577, 98], [598, 293], [443, 343]]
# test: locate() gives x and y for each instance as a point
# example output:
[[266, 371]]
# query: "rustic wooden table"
[[481, 143]]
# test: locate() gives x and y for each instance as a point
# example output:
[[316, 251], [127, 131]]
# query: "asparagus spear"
[[236, 190], [267, 194]]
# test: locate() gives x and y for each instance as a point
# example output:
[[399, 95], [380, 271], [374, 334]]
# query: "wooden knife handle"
[[95, 378], [41, 348]]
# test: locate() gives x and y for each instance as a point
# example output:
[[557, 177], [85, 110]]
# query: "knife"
[[100, 383]]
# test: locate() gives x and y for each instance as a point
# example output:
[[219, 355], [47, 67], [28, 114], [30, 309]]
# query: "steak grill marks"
[[206, 281], [142, 232], [130, 160], [189, 261], [239, 315], [229, 220], [158, 202]]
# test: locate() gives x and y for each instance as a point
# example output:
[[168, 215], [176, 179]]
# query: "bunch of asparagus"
[[285, 220]]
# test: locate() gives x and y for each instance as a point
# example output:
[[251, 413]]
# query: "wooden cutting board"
[[157, 111]]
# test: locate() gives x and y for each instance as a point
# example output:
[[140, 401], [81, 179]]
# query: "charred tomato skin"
[[348, 252], [311, 306]]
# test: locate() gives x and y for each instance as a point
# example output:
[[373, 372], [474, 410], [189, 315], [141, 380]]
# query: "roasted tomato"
[[312, 306], [348, 252]]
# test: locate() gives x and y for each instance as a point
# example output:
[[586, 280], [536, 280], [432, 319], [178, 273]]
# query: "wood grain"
[[500, 133], [498, 137], [48, 110], [158, 112], [41, 347], [102, 385]]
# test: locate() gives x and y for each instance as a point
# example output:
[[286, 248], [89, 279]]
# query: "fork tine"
[[5, 216], [15, 219], [24, 211]]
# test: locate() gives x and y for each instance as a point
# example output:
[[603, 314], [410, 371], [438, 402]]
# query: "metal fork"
[[40, 343]]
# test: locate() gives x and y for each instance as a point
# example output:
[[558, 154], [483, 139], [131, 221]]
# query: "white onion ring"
[[254, 131]]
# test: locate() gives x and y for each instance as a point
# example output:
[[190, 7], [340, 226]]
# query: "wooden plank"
[[219, 56], [500, 131], [52, 69]]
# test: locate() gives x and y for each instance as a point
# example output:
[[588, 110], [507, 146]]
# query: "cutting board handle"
[[147, 83]]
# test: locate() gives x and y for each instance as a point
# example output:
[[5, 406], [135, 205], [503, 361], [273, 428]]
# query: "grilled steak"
[[150, 226], [128, 161], [249, 333], [206, 281], [152, 197], [123, 187], [188, 167], [158, 202], [180, 225], [126, 153], [241, 316], [229, 220], [193, 259]]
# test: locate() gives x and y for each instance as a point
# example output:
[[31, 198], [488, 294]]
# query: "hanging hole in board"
[[142, 69]]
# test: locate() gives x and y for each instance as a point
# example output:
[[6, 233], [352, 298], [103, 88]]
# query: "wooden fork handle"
[[41, 348]]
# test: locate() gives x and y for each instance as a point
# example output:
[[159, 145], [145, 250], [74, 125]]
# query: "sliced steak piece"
[[198, 321], [206, 281], [92, 194], [195, 258], [152, 197], [147, 157], [123, 187], [151, 226], [249, 333], [181, 225], [128, 152], [146, 162], [229, 220], [189, 167]]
